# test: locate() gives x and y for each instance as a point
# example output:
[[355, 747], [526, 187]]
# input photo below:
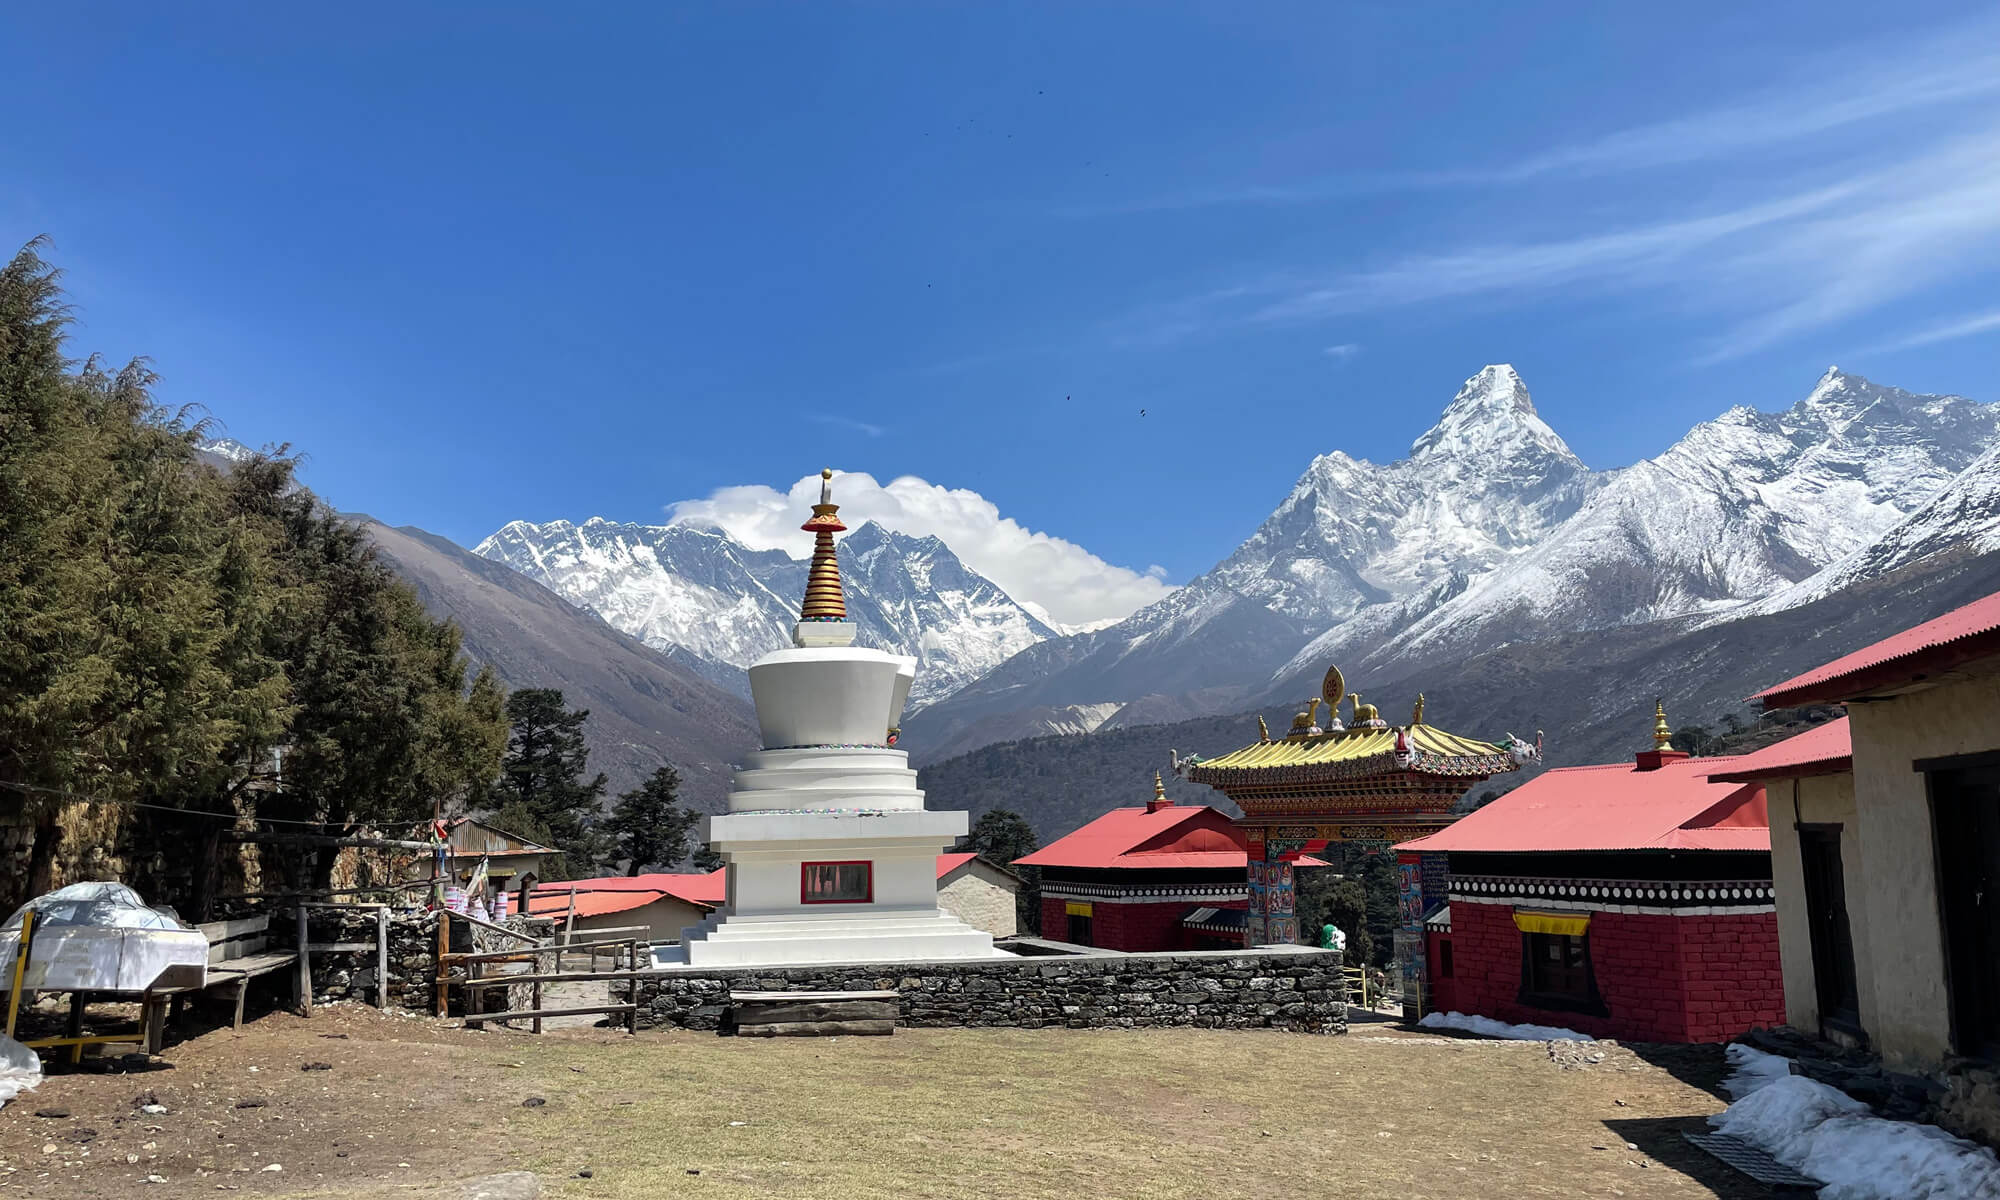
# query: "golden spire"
[[1263, 730], [824, 599], [1417, 715], [1663, 734], [1159, 787]]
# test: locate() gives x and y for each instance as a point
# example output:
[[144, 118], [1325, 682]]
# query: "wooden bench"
[[238, 951], [813, 1014]]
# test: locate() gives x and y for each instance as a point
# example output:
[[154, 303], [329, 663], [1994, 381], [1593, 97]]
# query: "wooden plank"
[[532, 1013], [340, 947], [512, 933], [820, 1029], [223, 931], [814, 1011], [546, 977], [382, 958], [305, 980], [754, 997]]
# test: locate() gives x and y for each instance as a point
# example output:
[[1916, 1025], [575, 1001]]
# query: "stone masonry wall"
[[1271, 988]]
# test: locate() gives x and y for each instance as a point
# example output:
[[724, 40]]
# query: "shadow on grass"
[[1698, 1066], [1659, 1138]]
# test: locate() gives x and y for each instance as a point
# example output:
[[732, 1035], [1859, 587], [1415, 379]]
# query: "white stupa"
[[831, 855]]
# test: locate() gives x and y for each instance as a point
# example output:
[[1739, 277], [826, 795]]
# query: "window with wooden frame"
[[837, 883], [1555, 972]]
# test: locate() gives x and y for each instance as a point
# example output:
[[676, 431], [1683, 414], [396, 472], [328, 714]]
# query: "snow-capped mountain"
[[1963, 519], [699, 591], [1741, 508], [1480, 486], [1492, 532]]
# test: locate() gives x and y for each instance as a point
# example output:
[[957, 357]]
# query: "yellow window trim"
[[1569, 924], [1076, 909]]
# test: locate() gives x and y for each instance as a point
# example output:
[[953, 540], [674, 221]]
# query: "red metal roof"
[[947, 863], [1821, 750], [1177, 836], [621, 893], [1957, 637], [1614, 807]]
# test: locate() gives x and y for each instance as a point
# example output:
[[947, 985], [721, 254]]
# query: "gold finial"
[[1663, 734], [1159, 787], [825, 601], [1356, 697], [1263, 730], [1417, 715]]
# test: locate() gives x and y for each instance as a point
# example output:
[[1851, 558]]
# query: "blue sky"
[[501, 262]]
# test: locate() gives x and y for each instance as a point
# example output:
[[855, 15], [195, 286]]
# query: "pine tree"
[[648, 824], [542, 779], [705, 858]]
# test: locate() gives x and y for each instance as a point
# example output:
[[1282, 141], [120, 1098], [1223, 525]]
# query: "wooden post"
[[569, 922], [536, 1000], [443, 948], [75, 1029], [382, 958], [22, 949], [305, 964]]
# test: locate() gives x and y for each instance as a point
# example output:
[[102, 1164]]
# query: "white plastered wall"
[[1817, 800], [1911, 1024]]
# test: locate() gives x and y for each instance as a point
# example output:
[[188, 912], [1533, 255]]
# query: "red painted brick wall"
[[1662, 978], [1129, 927]]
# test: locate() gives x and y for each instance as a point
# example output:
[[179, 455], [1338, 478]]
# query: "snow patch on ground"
[[1488, 1027], [1825, 1133]]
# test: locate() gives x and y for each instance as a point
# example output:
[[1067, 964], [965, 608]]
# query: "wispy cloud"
[[1343, 351], [1951, 331], [860, 427], [1801, 258], [1823, 95]]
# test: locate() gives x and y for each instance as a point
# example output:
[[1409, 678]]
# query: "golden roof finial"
[[1159, 787], [1417, 715], [1663, 734], [1263, 730], [825, 601]]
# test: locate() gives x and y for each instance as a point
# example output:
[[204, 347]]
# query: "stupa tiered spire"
[[823, 617]]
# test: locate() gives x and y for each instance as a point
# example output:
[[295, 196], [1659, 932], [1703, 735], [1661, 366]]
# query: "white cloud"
[[1342, 352], [1950, 331], [1060, 578]]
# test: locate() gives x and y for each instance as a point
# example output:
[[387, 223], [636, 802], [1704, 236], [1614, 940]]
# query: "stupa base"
[[793, 940]]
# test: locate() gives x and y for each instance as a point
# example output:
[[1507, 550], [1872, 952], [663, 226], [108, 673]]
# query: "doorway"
[[1834, 980], [1965, 811]]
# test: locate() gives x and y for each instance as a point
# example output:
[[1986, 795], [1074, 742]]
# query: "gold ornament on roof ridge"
[[1663, 734], [1333, 688], [1417, 714]]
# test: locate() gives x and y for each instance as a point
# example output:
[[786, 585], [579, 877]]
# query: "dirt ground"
[[356, 1103]]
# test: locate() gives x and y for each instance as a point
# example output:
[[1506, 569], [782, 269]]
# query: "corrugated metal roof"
[[707, 888], [1614, 807], [1821, 750], [471, 836], [1959, 635], [1175, 836]]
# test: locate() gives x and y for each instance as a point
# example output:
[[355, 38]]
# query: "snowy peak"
[[1491, 416], [697, 589]]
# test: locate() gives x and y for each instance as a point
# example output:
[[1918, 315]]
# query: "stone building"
[[1628, 900], [979, 893], [1889, 873]]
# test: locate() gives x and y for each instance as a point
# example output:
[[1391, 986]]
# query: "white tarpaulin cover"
[[101, 937], [20, 1069]]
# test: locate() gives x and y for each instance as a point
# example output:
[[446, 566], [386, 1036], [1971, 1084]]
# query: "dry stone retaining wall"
[[1233, 989]]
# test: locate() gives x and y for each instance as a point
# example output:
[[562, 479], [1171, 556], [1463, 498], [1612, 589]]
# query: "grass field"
[[412, 1108]]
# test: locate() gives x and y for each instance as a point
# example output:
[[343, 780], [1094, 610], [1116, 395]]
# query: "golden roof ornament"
[[1263, 730], [1417, 714], [1333, 688], [1159, 787], [1663, 734]]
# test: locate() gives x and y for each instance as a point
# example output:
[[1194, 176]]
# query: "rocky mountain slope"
[[645, 709], [701, 592]]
